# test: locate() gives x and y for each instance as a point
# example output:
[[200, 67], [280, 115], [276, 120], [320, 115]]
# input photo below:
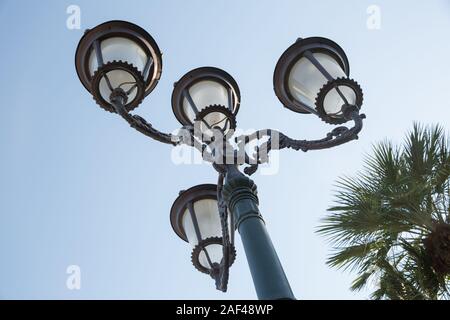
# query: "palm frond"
[[382, 215]]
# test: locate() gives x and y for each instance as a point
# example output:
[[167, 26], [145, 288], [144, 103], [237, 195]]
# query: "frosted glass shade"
[[333, 101], [305, 80], [207, 214], [118, 78], [215, 253], [118, 48], [214, 120], [208, 219], [205, 93], [118, 45]]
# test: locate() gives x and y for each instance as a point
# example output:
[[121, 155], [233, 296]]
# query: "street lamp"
[[195, 218], [119, 63], [118, 55], [208, 97], [314, 72]]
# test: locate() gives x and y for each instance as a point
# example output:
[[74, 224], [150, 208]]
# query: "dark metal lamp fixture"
[[118, 54], [314, 72], [208, 97], [195, 218], [119, 63]]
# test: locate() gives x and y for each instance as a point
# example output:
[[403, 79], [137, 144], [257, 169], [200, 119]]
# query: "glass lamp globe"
[[311, 76], [305, 80], [118, 54], [209, 95], [195, 219], [207, 215]]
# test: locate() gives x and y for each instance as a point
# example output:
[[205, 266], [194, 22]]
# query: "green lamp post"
[[119, 63]]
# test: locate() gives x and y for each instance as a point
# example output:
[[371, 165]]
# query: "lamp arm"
[[184, 136], [144, 127], [337, 136], [118, 101]]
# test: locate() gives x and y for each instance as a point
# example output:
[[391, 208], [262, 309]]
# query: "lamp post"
[[119, 63]]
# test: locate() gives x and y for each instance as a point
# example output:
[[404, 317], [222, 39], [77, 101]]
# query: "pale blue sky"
[[78, 186]]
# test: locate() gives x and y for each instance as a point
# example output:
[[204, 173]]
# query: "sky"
[[79, 187]]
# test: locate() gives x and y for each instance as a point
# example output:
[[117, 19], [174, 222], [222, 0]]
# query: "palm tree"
[[391, 223]]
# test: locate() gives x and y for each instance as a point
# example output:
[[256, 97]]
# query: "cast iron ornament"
[[336, 137], [186, 136]]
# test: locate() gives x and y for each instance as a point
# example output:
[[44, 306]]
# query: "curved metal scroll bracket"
[[227, 245], [222, 284], [337, 136], [276, 140], [118, 100]]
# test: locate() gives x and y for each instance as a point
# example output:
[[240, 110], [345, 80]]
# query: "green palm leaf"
[[383, 217]]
